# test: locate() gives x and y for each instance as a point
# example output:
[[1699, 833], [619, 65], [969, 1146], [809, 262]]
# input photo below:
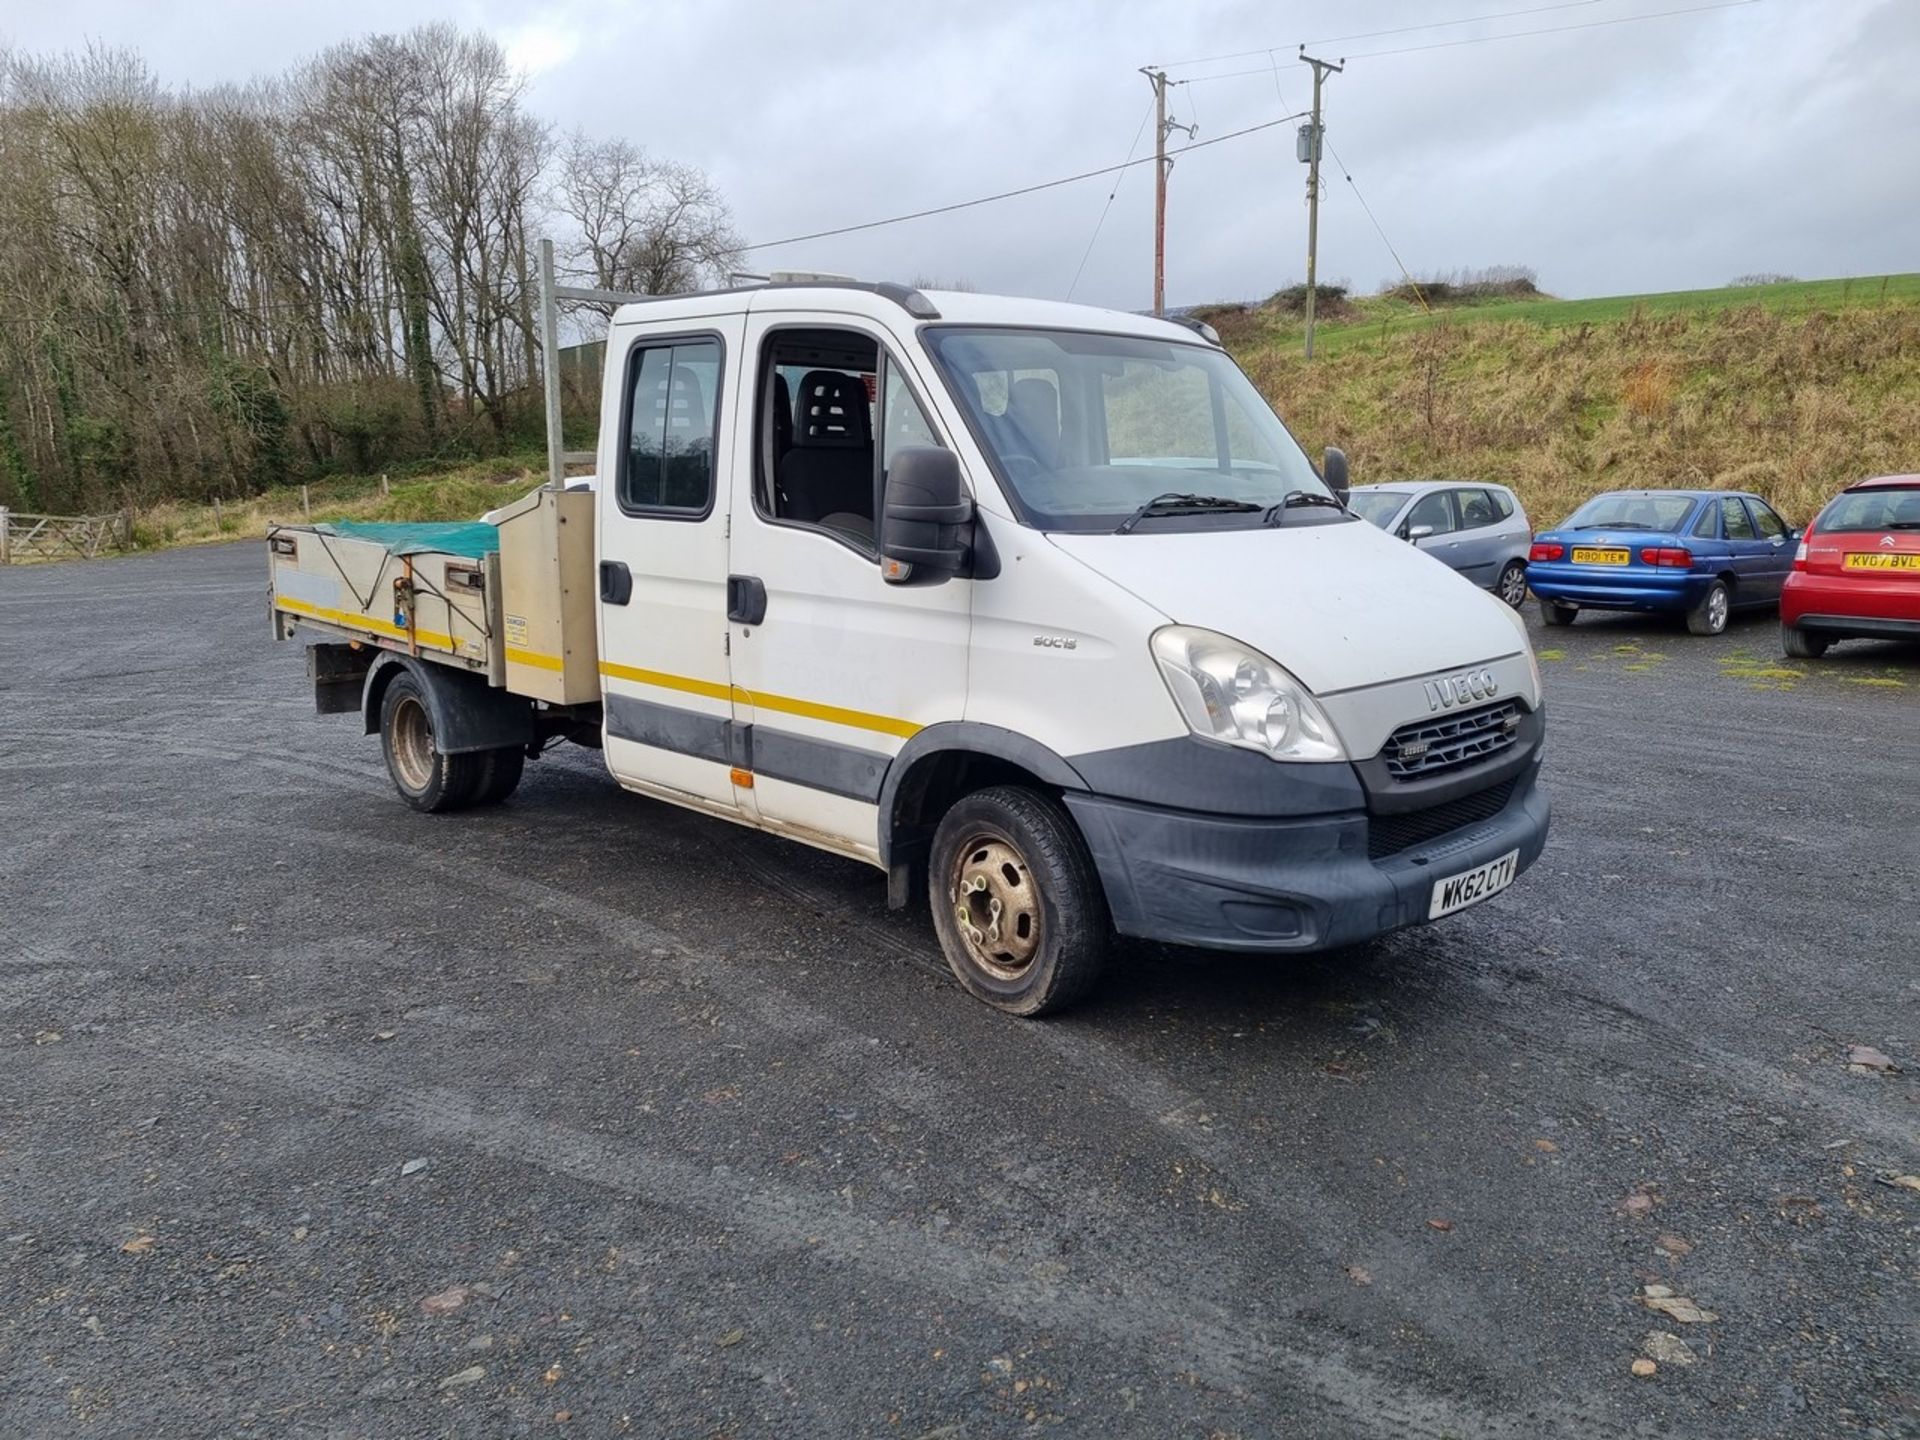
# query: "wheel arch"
[[468, 714], [938, 766]]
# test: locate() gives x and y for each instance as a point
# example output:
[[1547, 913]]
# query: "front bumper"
[[1596, 588], [1296, 884]]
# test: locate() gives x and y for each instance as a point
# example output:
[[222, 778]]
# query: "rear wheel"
[[1555, 614], [1709, 617], [426, 778], [1016, 901], [1800, 645], [1512, 585], [500, 772]]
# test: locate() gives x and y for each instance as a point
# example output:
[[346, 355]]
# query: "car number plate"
[[1584, 556], [1871, 561], [1457, 892]]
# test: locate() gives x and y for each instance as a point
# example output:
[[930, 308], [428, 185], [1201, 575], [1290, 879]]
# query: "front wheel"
[[1512, 585], [1556, 615], [1709, 617], [1016, 901], [1800, 645]]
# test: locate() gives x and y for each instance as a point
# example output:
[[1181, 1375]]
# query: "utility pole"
[[1311, 139], [1163, 126]]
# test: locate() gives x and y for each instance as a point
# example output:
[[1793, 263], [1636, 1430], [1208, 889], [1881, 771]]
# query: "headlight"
[[1238, 696]]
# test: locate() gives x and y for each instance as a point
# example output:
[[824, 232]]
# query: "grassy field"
[[1791, 390]]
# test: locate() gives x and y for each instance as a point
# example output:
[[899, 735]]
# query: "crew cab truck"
[[1037, 608]]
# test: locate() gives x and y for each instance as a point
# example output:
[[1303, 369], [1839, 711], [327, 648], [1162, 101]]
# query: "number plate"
[[1872, 561], [1584, 556], [1457, 892]]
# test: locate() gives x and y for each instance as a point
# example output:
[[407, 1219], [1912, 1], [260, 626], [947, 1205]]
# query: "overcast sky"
[[1782, 135]]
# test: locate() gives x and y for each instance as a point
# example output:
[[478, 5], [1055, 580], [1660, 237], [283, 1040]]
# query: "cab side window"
[[1771, 526], [1434, 511], [1739, 525], [827, 430], [672, 393]]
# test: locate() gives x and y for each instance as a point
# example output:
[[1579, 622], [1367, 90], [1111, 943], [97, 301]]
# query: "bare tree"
[[655, 227]]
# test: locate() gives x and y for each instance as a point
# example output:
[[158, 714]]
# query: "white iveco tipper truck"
[[1035, 603]]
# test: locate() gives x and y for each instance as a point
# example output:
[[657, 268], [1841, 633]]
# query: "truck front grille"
[[1449, 742], [1390, 834]]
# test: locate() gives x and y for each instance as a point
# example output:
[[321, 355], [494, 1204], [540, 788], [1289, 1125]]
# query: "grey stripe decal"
[[667, 727], [818, 764]]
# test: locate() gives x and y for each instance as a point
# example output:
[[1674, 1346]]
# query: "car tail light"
[[1667, 558], [1544, 551], [1800, 552]]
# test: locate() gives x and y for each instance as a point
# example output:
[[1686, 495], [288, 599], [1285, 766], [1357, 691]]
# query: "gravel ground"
[[322, 1118]]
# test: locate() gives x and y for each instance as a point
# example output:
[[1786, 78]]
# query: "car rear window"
[[1662, 513], [1873, 510]]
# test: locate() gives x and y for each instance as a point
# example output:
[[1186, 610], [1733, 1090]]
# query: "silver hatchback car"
[[1480, 530]]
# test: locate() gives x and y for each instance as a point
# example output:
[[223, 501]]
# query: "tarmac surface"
[[319, 1117]]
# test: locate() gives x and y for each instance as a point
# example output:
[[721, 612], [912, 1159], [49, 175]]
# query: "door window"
[[1707, 527], [1477, 509], [1739, 524], [1434, 510], [672, 401], [1771, 526]]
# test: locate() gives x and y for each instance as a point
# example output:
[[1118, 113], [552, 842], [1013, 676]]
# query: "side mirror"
[[1333, 470], [1417, 533], [926, 528]]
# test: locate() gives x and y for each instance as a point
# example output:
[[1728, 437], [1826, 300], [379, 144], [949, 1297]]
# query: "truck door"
[[834, 669], [664, 455]]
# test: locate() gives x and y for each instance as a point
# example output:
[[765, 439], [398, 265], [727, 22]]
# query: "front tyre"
[[1709, 617], [426, 778], [1512, 585], [1016, 901], [1800, 645]]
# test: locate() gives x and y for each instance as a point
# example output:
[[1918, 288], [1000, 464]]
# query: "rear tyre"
[[500, 772], [1512, 584], [1555, 615], [1016, 901], [1709, 617], [1800, 645], [426, 778]]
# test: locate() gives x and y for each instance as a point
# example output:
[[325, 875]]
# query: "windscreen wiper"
[[1178, 502], [1277, 513]]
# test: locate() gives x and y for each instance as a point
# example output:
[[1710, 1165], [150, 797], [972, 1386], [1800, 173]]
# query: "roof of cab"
[[893, 303]]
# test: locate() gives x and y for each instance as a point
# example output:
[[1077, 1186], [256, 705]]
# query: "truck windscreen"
[[1085, 428]]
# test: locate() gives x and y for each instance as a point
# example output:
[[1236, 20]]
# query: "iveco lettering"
[[1038, 609]]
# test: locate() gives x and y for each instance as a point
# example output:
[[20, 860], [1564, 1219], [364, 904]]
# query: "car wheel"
[[1512, 585], [500, 772], [1800, 645], [1709, 617], [1016, 901], [1555, 614], [426, 778]]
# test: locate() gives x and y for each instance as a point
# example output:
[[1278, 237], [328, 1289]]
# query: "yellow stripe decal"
[[812, 710], [535, 659], [354, 620]]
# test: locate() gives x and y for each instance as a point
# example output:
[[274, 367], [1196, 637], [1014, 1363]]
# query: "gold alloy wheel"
[[413, 744], [997, 907]]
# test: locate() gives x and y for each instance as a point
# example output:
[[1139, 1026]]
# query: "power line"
[[1405, 273], [1144, 118], [1373, 34], [1490, 39], [1023, 190]]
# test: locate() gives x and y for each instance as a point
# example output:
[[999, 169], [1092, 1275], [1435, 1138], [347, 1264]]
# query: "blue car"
[[1698, 553]]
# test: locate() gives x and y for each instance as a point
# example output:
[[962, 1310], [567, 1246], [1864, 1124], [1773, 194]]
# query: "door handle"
[[746, 599], [616, 582]]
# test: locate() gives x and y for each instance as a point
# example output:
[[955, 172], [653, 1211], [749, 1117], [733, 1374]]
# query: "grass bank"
[[1790, 390]]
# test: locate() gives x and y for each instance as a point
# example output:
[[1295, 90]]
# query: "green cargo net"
[[474, 539]]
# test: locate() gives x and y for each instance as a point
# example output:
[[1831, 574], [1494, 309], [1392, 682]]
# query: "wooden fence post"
[[219, 521], [306, 506], [383, 486], [126, 529], [4, 556]]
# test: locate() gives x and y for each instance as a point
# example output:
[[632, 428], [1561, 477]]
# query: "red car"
[[1857, 572]]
